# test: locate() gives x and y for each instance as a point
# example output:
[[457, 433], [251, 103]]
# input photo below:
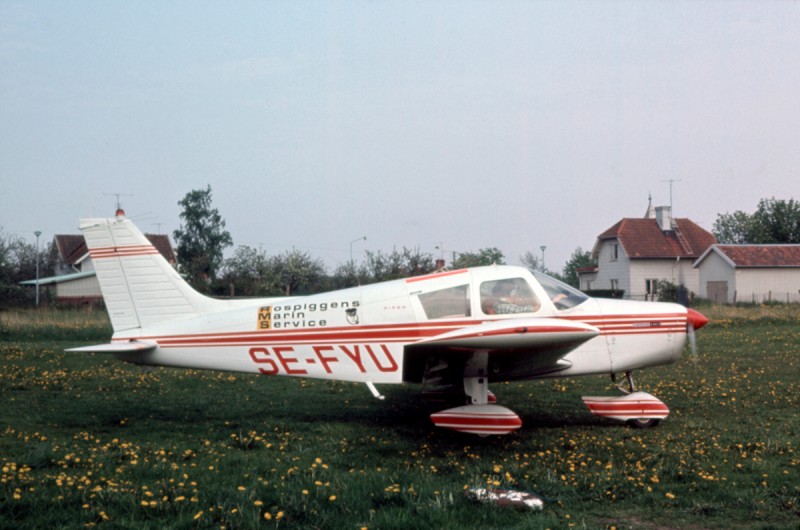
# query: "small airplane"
[[453, 332]]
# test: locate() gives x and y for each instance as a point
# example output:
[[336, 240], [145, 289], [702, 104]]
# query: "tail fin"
[[139, 286]]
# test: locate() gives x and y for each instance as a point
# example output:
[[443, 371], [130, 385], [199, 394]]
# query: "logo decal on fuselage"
[[313, 315], [265, 317]]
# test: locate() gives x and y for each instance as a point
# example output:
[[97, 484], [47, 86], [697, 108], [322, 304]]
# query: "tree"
[[380, 267], [296, 272], [671, 292], [398, 264], [578, 260], [484, 256], [732, 228], [17, 264], [248, 273], [774, 221], [201, 239], [531, 261]]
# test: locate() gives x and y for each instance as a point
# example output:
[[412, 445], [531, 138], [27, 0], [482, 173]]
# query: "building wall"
[[715, 269], [762, 285], [80, 288], [671, 270], [588, 281], [609, 268], [750, 284], [633, 274]]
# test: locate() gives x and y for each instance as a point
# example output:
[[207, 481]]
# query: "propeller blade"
[[694, 320], [692, 342]]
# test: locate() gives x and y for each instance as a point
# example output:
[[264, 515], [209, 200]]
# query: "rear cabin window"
[[450, 302], [508, 296]]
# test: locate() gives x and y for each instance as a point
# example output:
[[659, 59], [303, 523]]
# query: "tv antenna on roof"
[[670, 192]]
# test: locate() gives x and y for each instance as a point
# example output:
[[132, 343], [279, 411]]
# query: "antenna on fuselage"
[[119, 209]]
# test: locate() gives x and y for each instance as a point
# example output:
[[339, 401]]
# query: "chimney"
[[664, 217]]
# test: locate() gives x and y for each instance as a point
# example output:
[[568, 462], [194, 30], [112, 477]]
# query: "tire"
[[643, 423]]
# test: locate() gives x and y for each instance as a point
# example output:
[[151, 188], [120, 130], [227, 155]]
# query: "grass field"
[[87, 441]]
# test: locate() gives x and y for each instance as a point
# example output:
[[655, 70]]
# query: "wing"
[[518, 349], [117, 347]]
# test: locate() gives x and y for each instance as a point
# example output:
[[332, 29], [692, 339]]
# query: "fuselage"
[[364, 333]]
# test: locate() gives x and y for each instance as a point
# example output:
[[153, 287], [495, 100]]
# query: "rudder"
[[139, 286]]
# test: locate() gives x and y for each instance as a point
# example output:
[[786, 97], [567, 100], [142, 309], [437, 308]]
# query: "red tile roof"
[[70, 247], [643, 238], [750, 256]]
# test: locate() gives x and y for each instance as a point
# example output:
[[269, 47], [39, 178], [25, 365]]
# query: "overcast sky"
[[421, 124]]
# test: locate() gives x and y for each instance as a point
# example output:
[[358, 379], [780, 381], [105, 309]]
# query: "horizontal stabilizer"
[[117, 347]]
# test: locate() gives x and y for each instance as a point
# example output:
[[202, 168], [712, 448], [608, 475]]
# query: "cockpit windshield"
[[562, 295]]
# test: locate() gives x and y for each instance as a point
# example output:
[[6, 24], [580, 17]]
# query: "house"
[[635, 254], [75, 280], [750, 273]]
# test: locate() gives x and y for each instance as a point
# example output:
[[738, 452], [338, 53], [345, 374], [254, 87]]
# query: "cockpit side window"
[[444, 303], [508, 296]]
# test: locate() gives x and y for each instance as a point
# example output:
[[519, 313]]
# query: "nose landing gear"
[[637, 409]]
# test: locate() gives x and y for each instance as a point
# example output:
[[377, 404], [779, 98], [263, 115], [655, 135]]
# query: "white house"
[[750, 273], [636, 253]]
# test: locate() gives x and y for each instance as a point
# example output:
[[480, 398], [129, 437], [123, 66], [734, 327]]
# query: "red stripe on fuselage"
[[412, 332], [435, 275]]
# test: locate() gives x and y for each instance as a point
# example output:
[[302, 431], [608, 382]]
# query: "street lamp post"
[[37, 233], [543, 247], [362, 238]]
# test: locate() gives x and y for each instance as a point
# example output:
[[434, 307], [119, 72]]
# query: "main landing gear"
[[480, 415], [637, 409]]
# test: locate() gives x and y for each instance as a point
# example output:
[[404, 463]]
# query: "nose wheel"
[[639, 410]]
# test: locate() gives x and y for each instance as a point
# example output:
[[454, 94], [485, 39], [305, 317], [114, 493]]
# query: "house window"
[[615, 285], [615, 252], [651, 289]]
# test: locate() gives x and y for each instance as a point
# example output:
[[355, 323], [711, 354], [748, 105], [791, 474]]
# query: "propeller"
[[692, 341], [694, 321]]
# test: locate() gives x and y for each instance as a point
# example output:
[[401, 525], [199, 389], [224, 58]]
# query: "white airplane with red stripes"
[[453, 332]]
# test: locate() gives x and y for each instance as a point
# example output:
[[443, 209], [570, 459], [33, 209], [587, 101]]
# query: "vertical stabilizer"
[[139, 286]]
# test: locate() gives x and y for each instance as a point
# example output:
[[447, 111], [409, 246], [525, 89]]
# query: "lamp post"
[[362, 238], [543, 247], [37, 233]]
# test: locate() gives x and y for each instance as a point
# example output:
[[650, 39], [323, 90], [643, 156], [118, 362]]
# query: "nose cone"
[[697, 319]]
